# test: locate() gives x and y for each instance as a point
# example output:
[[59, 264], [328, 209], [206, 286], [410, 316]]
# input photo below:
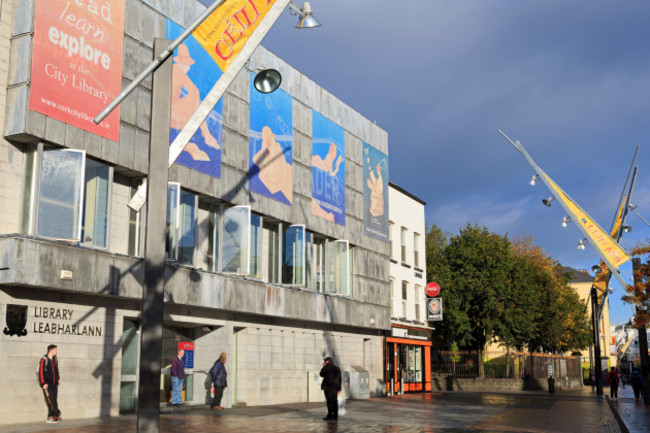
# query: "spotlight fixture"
[[547, 201], [533, 180], [627, 229], [565, 221], [582, 244], [631, 207], [596, 269], [306, 19], [267, 80]]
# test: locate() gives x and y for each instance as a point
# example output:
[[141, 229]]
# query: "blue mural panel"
[[270, 153], [194, 73], [375, 193], [328, 169]]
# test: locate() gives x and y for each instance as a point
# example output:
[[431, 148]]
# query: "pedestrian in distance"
[[219, 380], [637, 383], [178, 375], [331, 386], [592, 378], [613, 379], [48, 376]]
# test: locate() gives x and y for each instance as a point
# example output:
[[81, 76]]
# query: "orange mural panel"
[[77, 62]]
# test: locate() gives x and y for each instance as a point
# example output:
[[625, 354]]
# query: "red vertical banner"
[[77, 62]]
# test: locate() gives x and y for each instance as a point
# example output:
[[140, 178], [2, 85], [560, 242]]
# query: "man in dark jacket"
[[48, 376], [331, 386], [178, 374], [219, 380]]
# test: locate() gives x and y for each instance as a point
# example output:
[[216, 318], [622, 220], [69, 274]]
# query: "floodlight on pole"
[[547, 201], [306, 19], [267, 80], [533, 180], [627, 229], [582, 244], [565, 221], [596, 269]]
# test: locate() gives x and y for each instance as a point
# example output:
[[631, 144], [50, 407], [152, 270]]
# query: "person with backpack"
[[48, 377], [219, 380], [637, 383], [613, 379]]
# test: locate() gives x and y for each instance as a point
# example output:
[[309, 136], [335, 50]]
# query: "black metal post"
[[594, 317], [154, 249], [643, 345]]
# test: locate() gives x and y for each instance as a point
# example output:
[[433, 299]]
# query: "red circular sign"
[[433, 289]]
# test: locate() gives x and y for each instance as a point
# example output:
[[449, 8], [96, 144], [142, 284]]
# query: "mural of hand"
[[376, 185], [275, 172]]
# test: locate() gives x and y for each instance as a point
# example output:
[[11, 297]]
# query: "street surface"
[[429, 412]]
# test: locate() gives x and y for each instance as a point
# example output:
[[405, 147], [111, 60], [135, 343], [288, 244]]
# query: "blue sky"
[[569, 79]]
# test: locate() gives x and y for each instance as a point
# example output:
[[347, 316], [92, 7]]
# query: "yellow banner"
[[597, 236], [224, 33], [601, 279]]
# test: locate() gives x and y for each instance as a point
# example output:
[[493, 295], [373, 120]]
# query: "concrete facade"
[[276, 335]]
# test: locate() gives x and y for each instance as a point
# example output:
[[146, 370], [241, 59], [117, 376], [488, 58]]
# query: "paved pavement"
[[432, 412], [634, 414]]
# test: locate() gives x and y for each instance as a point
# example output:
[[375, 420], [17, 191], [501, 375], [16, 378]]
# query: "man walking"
[[178, 374], [613, 379], [331, 386], [48, 376], [219, 380], [637, 383]]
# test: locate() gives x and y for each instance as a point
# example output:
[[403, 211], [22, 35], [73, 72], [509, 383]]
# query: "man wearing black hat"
[[331, 385]]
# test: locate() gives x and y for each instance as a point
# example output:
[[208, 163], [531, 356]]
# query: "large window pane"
[[187, 227], [95, 216], [293, 265], [256, 246], [213, 243], [271, 249], [236, 234], [173, 210], [61, 190], [338, 268]]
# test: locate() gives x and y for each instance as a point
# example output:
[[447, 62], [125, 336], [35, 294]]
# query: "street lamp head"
[[631, 207], [547, 201], [596, 269], [306, 19], [582, 244], [565, 221], [267, 80], [627, 229], [533, 180]]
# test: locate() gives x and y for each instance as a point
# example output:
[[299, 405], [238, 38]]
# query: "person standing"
[[637, 383], [331, 386], [613, 379], [219, 380], [178, 374], [48, 376]]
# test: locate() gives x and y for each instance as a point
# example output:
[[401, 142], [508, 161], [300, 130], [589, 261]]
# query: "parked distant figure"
[[331, 386], [592, 378], [613, 379], [637, 383], [178, 374], [624, 377], [219, 380], [48, 376]]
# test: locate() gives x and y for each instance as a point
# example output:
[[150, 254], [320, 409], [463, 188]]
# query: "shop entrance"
[[409, 363]]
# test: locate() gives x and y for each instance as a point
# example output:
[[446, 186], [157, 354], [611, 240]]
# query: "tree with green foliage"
[[639, 293]]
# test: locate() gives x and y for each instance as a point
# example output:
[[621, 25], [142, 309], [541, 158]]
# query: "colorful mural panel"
[[375, 193], [328, 169], [271, 144], [194, 73], [77, 62]]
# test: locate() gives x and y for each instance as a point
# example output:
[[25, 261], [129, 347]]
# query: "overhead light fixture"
[[533, 180], [267, 80], [306, 19], [631, 207], [582, 244], [565, 221], [596, 269], [547, 201], [627, 229]]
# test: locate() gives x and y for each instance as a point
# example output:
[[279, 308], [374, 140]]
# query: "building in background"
[[581, 281], [627, 345], [277, 230], [408, 348]]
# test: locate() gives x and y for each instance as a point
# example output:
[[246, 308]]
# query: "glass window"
[[390, 237], [256, 246], [236, 239], [416, 249], [173, 209], [405, 288], [60, 194], [94, 226], [403, 243], [338, 268], [416, 296], [271, 248], [293, 266], [391, 289], [315, 262], [30, 182], [187, 227]]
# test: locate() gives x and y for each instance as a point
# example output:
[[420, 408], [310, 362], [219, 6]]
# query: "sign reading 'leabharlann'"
[[224, 33]]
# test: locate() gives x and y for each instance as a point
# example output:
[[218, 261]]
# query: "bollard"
[[392, 387]]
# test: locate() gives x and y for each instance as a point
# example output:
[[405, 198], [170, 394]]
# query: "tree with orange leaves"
[[639, 293]]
